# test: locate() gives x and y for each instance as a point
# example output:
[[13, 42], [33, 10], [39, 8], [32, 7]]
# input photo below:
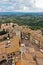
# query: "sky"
[[21, 5]]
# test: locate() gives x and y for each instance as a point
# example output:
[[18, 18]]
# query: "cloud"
[[21, 5], [39, 4]]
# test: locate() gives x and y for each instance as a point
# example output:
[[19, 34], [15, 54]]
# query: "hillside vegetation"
[[33, 21]]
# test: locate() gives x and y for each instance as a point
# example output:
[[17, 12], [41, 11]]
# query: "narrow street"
[[31, 45]]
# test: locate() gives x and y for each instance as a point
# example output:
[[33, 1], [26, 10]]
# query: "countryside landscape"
[[21, 38], [21, 32]]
